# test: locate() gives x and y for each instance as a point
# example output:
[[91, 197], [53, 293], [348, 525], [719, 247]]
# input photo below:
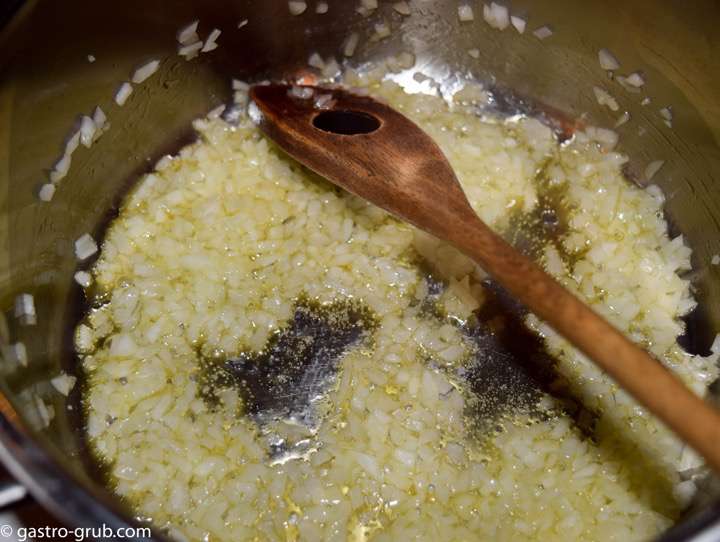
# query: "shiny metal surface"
[[46, 81]]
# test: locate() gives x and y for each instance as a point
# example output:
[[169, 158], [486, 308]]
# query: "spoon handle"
[[653, 385]]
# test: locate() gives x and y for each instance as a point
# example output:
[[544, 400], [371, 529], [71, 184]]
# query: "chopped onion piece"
[[145, 71], [368, 5], [240, 85], [216, 112], [608, 60], [87, 131], [25, 309], [652, 168], [322, 8], [99, 118], [46, 414], [188, 34], [190, 51], [331, 68], [211, 41], [622, 119], [73, 142], [351, 44], [47, 191], [606, 138], [123, 93], [667, 115], [465, 13], [316, 61], [496, 16], [85, 246], [715, 261], [64, 383], [242, 23], [543, 32], [297, 7], [61, 168], [645, 101], [519, 23], [91, 58], [627, 86], [303, 93], [382, 30], [254, 113], [403, 8], [15, 354], [475, 53], [324, 101], [684, 492], [603, 97], [83, 278], [635, 79]]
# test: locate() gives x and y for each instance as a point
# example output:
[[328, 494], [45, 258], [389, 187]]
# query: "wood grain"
[[400, 168]]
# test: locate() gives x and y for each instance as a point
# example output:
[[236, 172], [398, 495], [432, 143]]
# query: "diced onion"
[[188, 34], [519, 23], [302, 93], [190, 51], [83, 278], [72, 143], [123, 93], [242, 23], [606, 138], [465, 13], [635, 79], [63, 383], [331, 68], [99, 118], [402, 8], [211, 41], [240, 85], [297, 7], [715, 261], [322, 8], [603, 97], [652, 168], [87, 131], [496, 15], [91, 58], [324, 101], [667, 115], [16, 354], [475, 53], [145, 71], [622, 119], [215, 113], [543, 32], [47, 191], [382, 30], [254, 113], [25, 309], [85, 246], [608, 60], [351, 44], [61, 168], [316, 61]]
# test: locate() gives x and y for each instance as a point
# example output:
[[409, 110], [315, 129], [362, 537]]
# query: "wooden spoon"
[[371, 150]]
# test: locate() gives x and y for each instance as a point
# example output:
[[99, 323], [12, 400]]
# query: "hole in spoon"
[[346, 122]]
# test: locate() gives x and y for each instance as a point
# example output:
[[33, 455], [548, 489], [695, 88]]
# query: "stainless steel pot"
[[46, 81]]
